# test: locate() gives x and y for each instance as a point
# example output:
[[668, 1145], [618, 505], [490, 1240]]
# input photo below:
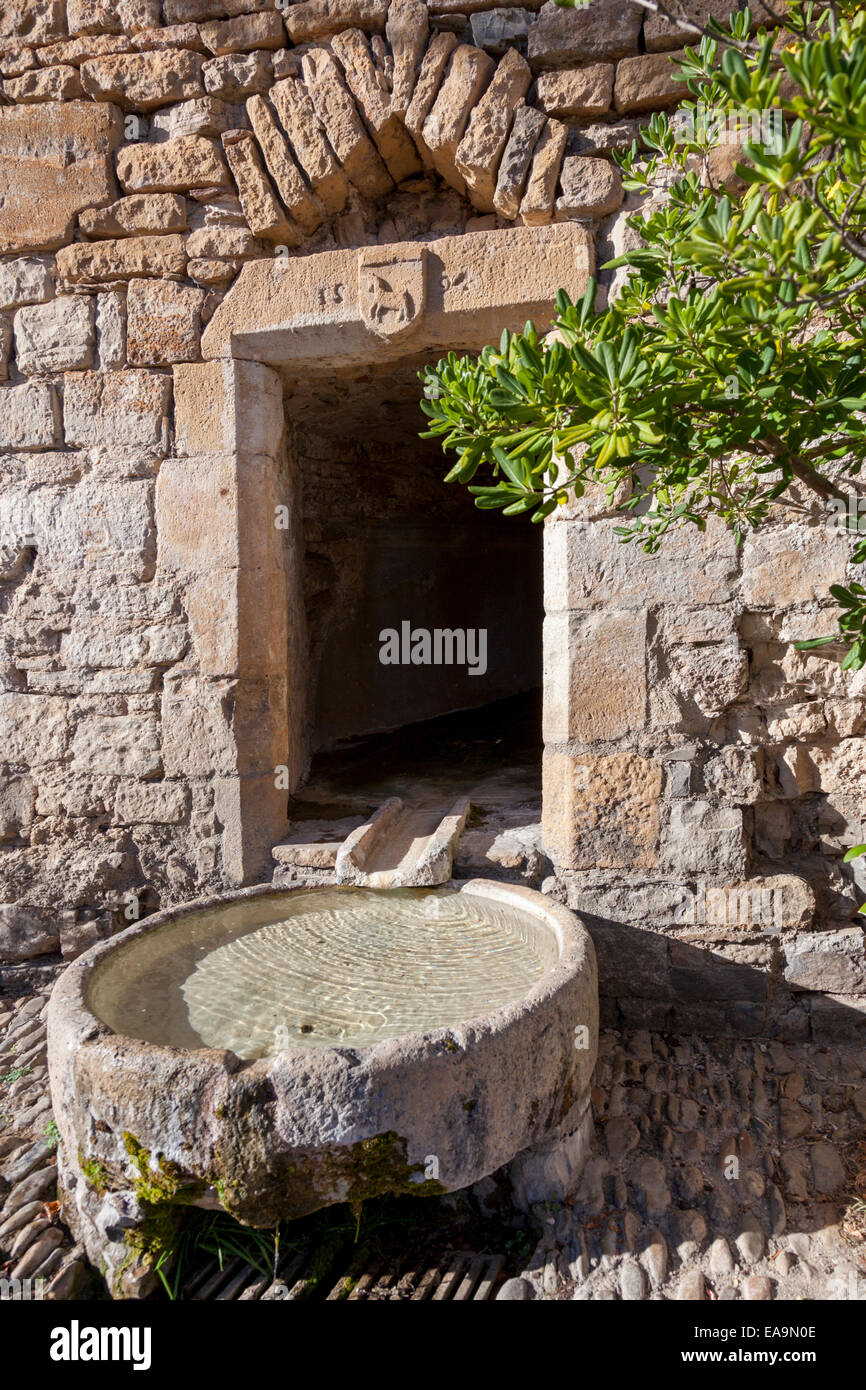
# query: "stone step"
[[315, 844], [403, 845]]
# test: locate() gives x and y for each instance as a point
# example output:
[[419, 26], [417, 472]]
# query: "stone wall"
[[151, 154], [703, 778]]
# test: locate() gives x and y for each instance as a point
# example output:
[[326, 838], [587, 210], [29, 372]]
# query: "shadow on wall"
[[647, 980]]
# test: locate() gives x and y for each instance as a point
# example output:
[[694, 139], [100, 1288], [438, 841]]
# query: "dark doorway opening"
[[423, 614]]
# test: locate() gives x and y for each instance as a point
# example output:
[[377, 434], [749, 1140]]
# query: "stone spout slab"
[[403, 846], [334, 308]]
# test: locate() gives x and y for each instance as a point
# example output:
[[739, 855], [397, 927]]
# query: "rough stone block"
[[660, 33], [426, 87], [163, 322], [76, 51], [194, 11], [261, 206], [480, 150], [33, 21], [833, 962], [496, 30], [97, 645], [226, 242], [629, 901], [736, 775], [536, 207], [213, 274], [112, 16], [236, 76], [586, 565], [604, 137], [144, 81], [601, 812], [594, 675], [468, 75], [35, 728], [711, 676], [844, 717], [58, 83], [191, 161], [576, 91], [647, 83], [281, 165], [244, 32], [200, 116], [367, 84], [27, 931], [702, 838], [55, 159], [407, 29], [29, 416], [89, 262], [318, 19], [25, 281], [16, 59], [792, 564], [342, 124], [604, 30], [772, 903], [591, 188], [516, 159], [123, 745], [127, 410], [55, 337], [151, 803], [5, 346], [314, 154], [197, 732], [94, 526], [841, 768], [140, 214]]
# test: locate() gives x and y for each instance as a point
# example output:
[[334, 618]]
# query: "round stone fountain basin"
[[273, 1052]]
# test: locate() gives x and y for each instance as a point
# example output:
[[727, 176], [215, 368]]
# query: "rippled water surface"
[[334, 966]]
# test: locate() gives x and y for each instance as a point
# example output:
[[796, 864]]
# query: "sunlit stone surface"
[[343, 967]]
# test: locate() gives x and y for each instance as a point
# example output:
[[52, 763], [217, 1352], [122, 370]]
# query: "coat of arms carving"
[[392, 286]]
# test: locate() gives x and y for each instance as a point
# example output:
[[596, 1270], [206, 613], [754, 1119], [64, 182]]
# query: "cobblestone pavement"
[[722, 1169], [34, 1244], [664, 1211]]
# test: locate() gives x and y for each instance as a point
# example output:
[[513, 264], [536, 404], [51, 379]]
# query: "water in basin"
[[321, 968]]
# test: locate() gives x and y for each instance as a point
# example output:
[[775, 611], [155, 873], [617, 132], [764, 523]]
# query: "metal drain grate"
[[457, 1276]]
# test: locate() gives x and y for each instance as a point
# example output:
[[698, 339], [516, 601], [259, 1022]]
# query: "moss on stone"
[[380, 1166], [96, 1173], [165, 1183], [163, 1191], [152, 1238]]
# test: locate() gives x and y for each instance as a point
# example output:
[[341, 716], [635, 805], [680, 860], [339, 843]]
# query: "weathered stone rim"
[[71, 992]]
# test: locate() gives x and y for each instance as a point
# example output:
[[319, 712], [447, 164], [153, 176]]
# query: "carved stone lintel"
[[392, 288]]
